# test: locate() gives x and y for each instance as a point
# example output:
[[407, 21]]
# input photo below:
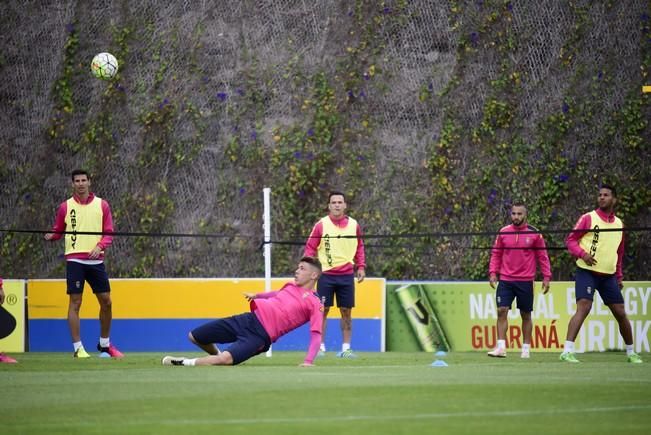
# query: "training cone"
[[441, 353], [439, 363], [104, 355]]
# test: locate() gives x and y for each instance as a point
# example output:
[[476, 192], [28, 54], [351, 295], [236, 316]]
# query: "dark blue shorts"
[[586, 282], [94, 274], [244, 331], [509, 290], [341, 285]]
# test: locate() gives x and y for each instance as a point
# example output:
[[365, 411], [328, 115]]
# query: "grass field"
[[390, 393]]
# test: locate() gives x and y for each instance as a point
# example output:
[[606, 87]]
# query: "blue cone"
[[104, 355], [439, 363], [441, 353]]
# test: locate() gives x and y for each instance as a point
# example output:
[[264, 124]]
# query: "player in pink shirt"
[[272, 315], [516, 250]]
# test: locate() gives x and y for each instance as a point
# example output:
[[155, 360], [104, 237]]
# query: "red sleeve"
[[316, 330], [496, 256], [266, 295], [620, 256], [312, 244], [360, 258], [60, 221], [313, 349], [572, 239], [0, 282], [107, 226], [543, 258]]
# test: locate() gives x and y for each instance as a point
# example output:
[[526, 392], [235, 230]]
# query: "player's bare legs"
[[223, 359], [527, 327], [583, 307], [502, 322], [326, 310], [624, 324], [346, 324], [105, 313], [502, 325], [216, 357], [73, 316], [208, 348]]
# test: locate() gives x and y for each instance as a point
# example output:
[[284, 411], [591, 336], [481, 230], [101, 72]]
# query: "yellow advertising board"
[[12, 316], [155, 314], [462, 316], [180, 298]]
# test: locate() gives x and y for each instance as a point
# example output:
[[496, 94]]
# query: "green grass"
[[391, 393]]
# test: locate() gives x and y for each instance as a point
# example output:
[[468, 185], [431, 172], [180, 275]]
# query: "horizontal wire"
[[374, 246], [126, 233], [302, 239]]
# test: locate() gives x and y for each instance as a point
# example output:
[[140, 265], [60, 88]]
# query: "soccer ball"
[[104, 66]]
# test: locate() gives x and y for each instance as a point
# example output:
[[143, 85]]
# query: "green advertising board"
[[462, 316]]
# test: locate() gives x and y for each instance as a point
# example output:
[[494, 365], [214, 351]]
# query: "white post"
[[266, 216]]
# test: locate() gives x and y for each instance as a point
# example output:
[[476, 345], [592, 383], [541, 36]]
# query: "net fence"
[[195, 75]]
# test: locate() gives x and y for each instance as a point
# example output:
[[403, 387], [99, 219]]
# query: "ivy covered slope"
[[432, 116]]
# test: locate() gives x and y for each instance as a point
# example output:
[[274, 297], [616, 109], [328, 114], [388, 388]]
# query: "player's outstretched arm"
[[313, 349]]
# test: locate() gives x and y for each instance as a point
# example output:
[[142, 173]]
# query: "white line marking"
[[349, 418], [428, 416]]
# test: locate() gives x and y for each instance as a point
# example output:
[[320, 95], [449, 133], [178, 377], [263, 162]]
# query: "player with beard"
[[599, 257], [514, 255]]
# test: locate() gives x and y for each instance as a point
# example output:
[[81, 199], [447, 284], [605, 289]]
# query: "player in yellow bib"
[[599, 257], [337, 241], [85, 212]]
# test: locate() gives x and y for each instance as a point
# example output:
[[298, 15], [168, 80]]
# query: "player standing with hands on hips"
[[85, 212], [337, 240], [599, 257], [516, 250]]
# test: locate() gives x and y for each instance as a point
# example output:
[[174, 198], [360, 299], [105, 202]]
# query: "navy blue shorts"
[[94, 274], [586, 282], [244, 331], [509, 290], [343, 286]]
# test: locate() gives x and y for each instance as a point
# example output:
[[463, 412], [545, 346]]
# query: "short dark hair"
[[335, 193], [79, 172], [609, 187], [313, 261], [518, 204]]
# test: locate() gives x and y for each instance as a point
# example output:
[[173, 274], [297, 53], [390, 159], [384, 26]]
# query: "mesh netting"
[[240, 69]]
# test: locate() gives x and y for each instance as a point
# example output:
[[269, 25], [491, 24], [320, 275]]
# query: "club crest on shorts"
[[589, 290]]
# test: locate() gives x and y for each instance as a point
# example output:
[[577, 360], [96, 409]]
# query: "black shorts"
[[343, 286], [509, 290], [94, 274], [586, 282], [244, 331]]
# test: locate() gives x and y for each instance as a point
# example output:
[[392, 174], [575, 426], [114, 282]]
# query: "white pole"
[[266, 216]]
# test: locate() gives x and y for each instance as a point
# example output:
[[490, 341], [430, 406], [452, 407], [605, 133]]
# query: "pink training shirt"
[[284, 310], [312, 245], [514, 260], [583, 226], [107, 225]]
